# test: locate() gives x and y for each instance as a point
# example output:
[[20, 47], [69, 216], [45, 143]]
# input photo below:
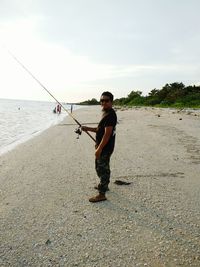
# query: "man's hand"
[[89, 129], [104, 141], [84, 128], [98, 153]]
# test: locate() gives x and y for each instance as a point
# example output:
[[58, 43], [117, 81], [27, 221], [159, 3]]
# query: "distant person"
[[54, 111], [58, 108], [71, 108], [105, 142]]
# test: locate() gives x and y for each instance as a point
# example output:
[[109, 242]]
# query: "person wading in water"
[[105, 142]]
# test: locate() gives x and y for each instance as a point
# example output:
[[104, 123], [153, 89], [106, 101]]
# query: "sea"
[[21, 120]]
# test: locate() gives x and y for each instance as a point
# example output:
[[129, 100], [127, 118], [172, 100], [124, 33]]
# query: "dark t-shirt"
[[108, 119]]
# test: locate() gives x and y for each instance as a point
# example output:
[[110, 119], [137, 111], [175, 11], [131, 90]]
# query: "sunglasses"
[[104, 100]]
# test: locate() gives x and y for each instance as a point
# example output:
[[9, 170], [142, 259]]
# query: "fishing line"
[[28, 71]]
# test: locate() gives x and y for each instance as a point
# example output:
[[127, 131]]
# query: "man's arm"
[[89, 129], [104, 141]]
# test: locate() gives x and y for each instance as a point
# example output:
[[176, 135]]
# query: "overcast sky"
[[79, 48]]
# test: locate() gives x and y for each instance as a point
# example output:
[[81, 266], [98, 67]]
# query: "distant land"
[[171, 95]]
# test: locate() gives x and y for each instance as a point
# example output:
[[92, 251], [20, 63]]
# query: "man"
[[105, 142]]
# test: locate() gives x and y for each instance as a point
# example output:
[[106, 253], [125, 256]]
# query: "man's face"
[[106, 103]]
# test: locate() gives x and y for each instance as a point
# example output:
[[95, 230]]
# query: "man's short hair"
[[109, 95]]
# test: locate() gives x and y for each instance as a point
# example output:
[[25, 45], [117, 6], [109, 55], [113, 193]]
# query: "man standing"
[[105, 142]]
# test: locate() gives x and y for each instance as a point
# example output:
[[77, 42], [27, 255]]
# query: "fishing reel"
[[78, 131]]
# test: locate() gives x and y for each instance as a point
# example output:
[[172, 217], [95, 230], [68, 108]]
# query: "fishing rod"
[[78, 131]]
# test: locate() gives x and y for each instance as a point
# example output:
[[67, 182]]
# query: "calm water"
[[21, 119]]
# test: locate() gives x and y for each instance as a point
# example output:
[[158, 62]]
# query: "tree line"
[[171, 95]]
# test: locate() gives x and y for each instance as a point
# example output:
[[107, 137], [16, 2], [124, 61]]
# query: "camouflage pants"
[[102, 166]]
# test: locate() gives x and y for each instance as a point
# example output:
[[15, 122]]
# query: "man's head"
[[106, 100]]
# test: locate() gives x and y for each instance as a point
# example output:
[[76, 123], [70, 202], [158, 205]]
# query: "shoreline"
[[12, 145], [21, 140], [47, 220], [28, 136], [9, 147]]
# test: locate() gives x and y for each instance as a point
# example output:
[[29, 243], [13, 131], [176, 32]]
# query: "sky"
[[79, 48]]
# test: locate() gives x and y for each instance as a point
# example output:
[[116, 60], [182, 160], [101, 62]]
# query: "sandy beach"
[[47, 220]]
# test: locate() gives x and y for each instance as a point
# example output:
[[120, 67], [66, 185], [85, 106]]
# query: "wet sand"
[[47, 220]]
